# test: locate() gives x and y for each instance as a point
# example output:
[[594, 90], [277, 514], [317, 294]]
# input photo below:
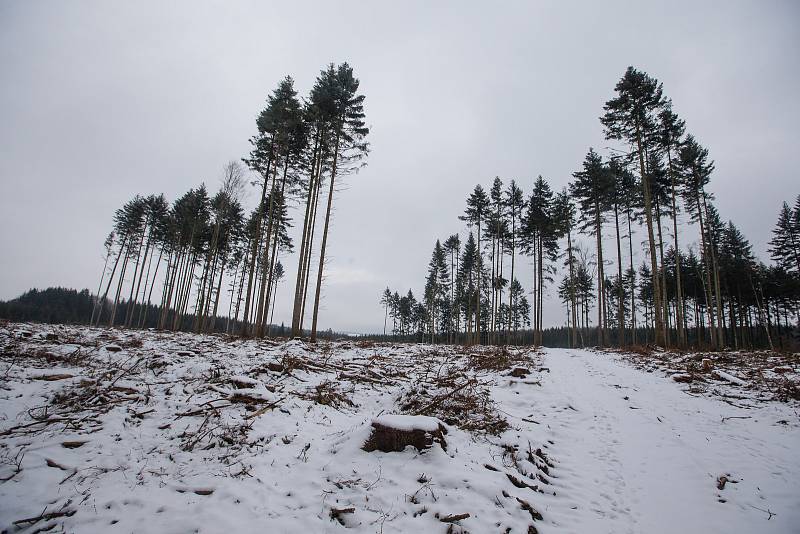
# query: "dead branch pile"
[[497, 358], [767, 375], [456, 399], [328, 393]]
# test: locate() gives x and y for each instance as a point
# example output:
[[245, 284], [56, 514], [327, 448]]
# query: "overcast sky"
[[100, 101]]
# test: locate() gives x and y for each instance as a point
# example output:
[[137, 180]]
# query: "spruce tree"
[[618, 192], [660, 194], [452, 247], [630, 202], [592, 190], [386, 302], [714, 229], [540, 241], [630, 117], [468, 273], [515, 205], [395, 311], [436, 285], [695, 173], [349, 132], [785, 244], [128, 222], [671, 131], [277, 146], [262, 160], [496, 232], [564, 217], [476, 213], [737, 266], [158, 219], [278, 275]]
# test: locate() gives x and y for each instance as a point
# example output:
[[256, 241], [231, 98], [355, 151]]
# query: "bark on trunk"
[[324, 243]]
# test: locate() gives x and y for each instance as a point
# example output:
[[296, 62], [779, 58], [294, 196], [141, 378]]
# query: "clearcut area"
[[105, 430]]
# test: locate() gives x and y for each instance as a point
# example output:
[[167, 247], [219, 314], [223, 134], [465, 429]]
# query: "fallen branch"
[[453, 518], [44, 516], [265, 409], [53, 377], [728, 377]]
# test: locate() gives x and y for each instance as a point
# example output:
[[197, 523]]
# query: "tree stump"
[[393, 433]]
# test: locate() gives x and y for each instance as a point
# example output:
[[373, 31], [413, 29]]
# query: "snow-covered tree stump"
[[393, 433]]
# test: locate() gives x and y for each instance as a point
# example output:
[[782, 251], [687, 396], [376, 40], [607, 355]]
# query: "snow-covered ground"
[[123, 431]]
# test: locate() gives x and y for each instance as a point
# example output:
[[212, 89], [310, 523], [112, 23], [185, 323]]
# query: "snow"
[[649, 463], [245, 380], [408, 422], [187, 433]]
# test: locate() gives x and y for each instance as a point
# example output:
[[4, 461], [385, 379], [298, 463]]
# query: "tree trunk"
[[135, 298], [133, 280], [212, 316], [574, 340], [540, 294], [600, 276], [241, 285], [260, 308], [324, 242], [633, 277], [256, 240], [273, 255], [99, 287], [664, 295], [478, 285], [679, 306], [717, 292], [312, 233], [620, 288], [648, 209], [305, 250], [111, 278], [119, 288], [146, 307], [272, 313], [144, 289]]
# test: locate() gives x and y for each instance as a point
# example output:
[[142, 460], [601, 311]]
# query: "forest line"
[[298, 152], [203, 264], [720, 296]]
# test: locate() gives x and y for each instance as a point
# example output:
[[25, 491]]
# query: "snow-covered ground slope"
[[117, 431]]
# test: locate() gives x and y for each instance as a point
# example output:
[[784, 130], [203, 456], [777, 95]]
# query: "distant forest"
[[202, 264], [59, 305], [51, 305]]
